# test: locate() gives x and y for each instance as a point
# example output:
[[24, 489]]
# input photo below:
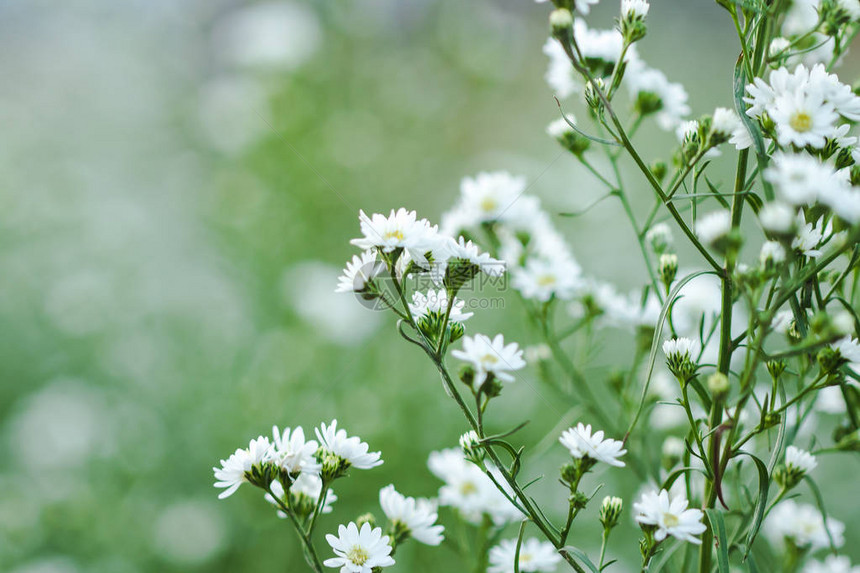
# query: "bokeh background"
[[178, 183]]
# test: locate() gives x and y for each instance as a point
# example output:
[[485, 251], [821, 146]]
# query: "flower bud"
[[672, 451], [668, 269], [658, 170], [681, 358], [562, 132], [592, 98], [610, 511], [472, 449], [561, 23], [776, 368], [718, 385], [366, 518], [659, 237], [632, 21]]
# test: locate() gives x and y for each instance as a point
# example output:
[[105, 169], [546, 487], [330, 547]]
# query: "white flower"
[[844, 201], [634, 8], [307, 485], [725, 122], [777, 217], [419, 516], [560, 75], [401, 229], [641, 79], [851, 7], [809, 238], [714, 226], [799, 460], [542, 279], [659, 236], [463, 251], [803, 119], [799, 177], [490, 357], [670, 517], [359, 271], [681, 349], [778, 46], [436, 303], [583, 444], [830, 400], [803, 524], [233, 470], [491, 196], [359, 551], [350, 449], [468, 489], [771, 252], [292, 453], [832, 564], [535, 555], [559, 128]]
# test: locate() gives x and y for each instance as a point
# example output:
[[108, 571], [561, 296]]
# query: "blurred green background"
[[178, 185]]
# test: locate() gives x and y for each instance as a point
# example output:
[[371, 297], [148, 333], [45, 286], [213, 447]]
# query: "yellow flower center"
[[395, 234], [488, 204], [468, 488], [489, 359], [670, 520], [546, 280], [358, 555], [800, 121], [525, 558]]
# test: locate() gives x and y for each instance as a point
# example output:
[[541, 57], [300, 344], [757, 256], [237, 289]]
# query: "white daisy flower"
[[462, 251], [292, 453], [771, 253], [418, 516], [350, 449], [677, 348], [799, 460], [808, 238], [490, 356], [803, 525], [583, 444], [641, 79], [542, 279], [435, 302], [659, 236], [840, 95], [803, 119], [358, 272], [535, 555], [234, 470], [491, 196], [831, 564], [798, 177], [778, 46], [762, 95], [725, 122], [777, 217], [306, 485], [714, 226], [560, 75], [669, 517], [399, 230], [468, 489], [359, 551]]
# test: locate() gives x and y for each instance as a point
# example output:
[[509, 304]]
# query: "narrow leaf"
[[718, 525], [761, 502]]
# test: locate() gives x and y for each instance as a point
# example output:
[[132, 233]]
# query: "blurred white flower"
[[189, 532], [535, 555], [418, 516], [275, 35], [803, 525]]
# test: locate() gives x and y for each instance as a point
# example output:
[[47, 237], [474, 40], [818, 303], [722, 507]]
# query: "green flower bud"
[[610, 511]]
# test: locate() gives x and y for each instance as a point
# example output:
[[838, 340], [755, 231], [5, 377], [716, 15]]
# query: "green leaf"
[[580, 554], [659, 561], [751, 564], [755, 201], [667, 484], [819, 501], [718, 525], [761, 503]]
